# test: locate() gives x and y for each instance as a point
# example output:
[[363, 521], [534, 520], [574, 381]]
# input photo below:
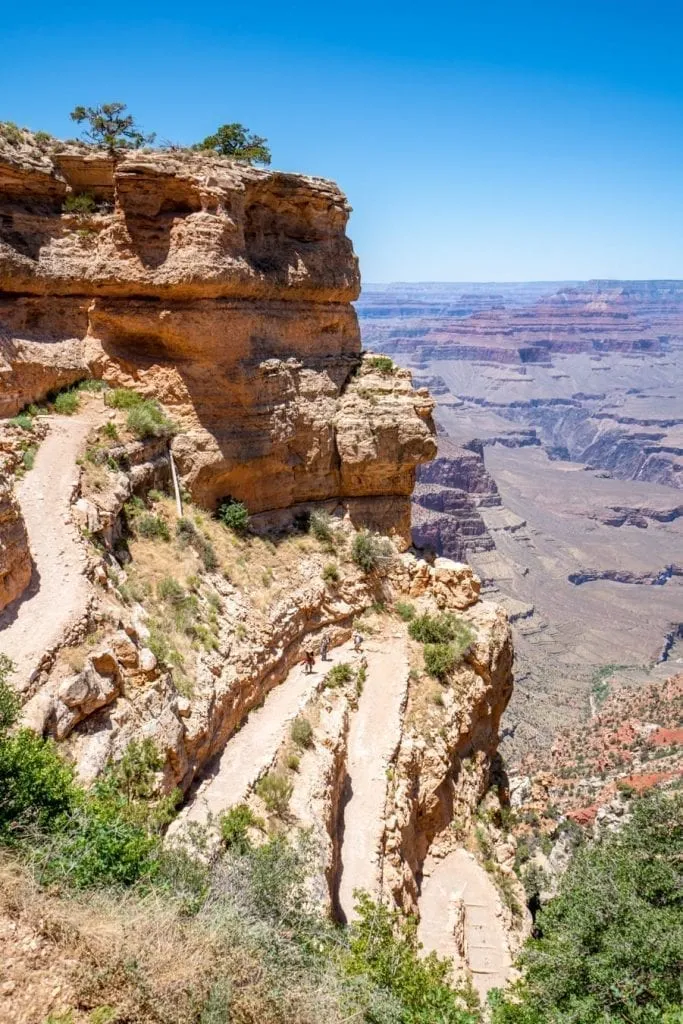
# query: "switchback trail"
[[374, 734], [58, 593], [460, 877], [250, 751]]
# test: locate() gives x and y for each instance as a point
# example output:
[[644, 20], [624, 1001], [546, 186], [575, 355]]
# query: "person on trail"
[[363, 663], [324, 645], [357, 641], [309, 661]]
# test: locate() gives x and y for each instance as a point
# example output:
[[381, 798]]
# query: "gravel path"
[[250, 751], [460, 876], [374, 734], [58, 592]]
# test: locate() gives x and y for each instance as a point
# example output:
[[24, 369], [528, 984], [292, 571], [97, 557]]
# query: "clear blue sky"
[[476, 141]]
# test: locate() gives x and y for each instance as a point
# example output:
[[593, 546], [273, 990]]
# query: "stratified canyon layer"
[[225, 292], [568, 397]]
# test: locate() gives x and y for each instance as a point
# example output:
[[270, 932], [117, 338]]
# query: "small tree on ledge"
[[236, 141], [110, 128]]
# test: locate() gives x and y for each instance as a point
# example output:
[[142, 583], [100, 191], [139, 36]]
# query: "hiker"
[[324, 645], [363, 663], [357, 641], [309, 661]]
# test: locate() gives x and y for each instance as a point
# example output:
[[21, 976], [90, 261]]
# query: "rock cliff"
[[15, 559], [225, 292]]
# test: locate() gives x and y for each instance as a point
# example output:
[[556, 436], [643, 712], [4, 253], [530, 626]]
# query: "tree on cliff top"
[[110, 128], [238, 142]]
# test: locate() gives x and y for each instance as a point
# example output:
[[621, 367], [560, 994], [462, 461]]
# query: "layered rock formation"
[[15, 558], [224, 291], [447, 498]]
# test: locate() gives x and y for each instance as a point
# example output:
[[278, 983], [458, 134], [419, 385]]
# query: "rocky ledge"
[[225, 292]]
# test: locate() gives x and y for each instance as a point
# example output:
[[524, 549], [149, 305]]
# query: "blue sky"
[[475, 141]]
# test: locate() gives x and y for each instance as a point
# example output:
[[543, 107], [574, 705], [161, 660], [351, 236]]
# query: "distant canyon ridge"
[[560, 470]]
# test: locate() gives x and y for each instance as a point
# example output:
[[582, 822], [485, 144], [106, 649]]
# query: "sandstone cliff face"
[[15, 558], [225, 292]]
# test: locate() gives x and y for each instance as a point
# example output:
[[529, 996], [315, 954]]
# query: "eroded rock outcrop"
[[15, 558], [225, 292]]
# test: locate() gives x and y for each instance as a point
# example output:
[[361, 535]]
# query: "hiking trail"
[[58, 593], [250, 751], [460, 877], [374, 734]]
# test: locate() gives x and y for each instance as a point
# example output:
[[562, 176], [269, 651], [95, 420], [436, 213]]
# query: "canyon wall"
[[223, 291], [15, 559]]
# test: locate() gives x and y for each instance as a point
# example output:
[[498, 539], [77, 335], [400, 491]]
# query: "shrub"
[[320, 525], [81, 203], [186, 531], [383, 364], [147, 419], [331, 573], [440, 659], [123, 398], [92, 385], [207, 553], [23, 421], [442, 629], [302, 732], [405, 610], [234, 515], [611, 942], [29, 457], [111, 431], [339, 675], [370, 551], [151, 527], [384, 948], [66, 403], [275, 790], [235, 825], [171, 591], [293, 761]]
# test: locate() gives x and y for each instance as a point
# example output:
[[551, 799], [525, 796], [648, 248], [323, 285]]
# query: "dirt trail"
[[374, 733], [58, 592], [459, 877], [250, 751]]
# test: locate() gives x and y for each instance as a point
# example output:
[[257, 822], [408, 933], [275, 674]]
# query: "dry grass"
[[139, 958]]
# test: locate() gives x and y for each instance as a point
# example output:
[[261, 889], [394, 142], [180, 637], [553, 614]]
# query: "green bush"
[[320, 525], [383, 364], [148, 420], [370, 551], [151, 527], [23, 421], [170, 590], [442, 628], [275, 790], [66, 403], [110, 431], [302, 732], [383, 947], [103, 837], [339, 675], [331, 573], [123, 398], [81, 203], [28, 457], [235, 825], [611, 942], [440, 659], [405, 610], [234, 515]]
